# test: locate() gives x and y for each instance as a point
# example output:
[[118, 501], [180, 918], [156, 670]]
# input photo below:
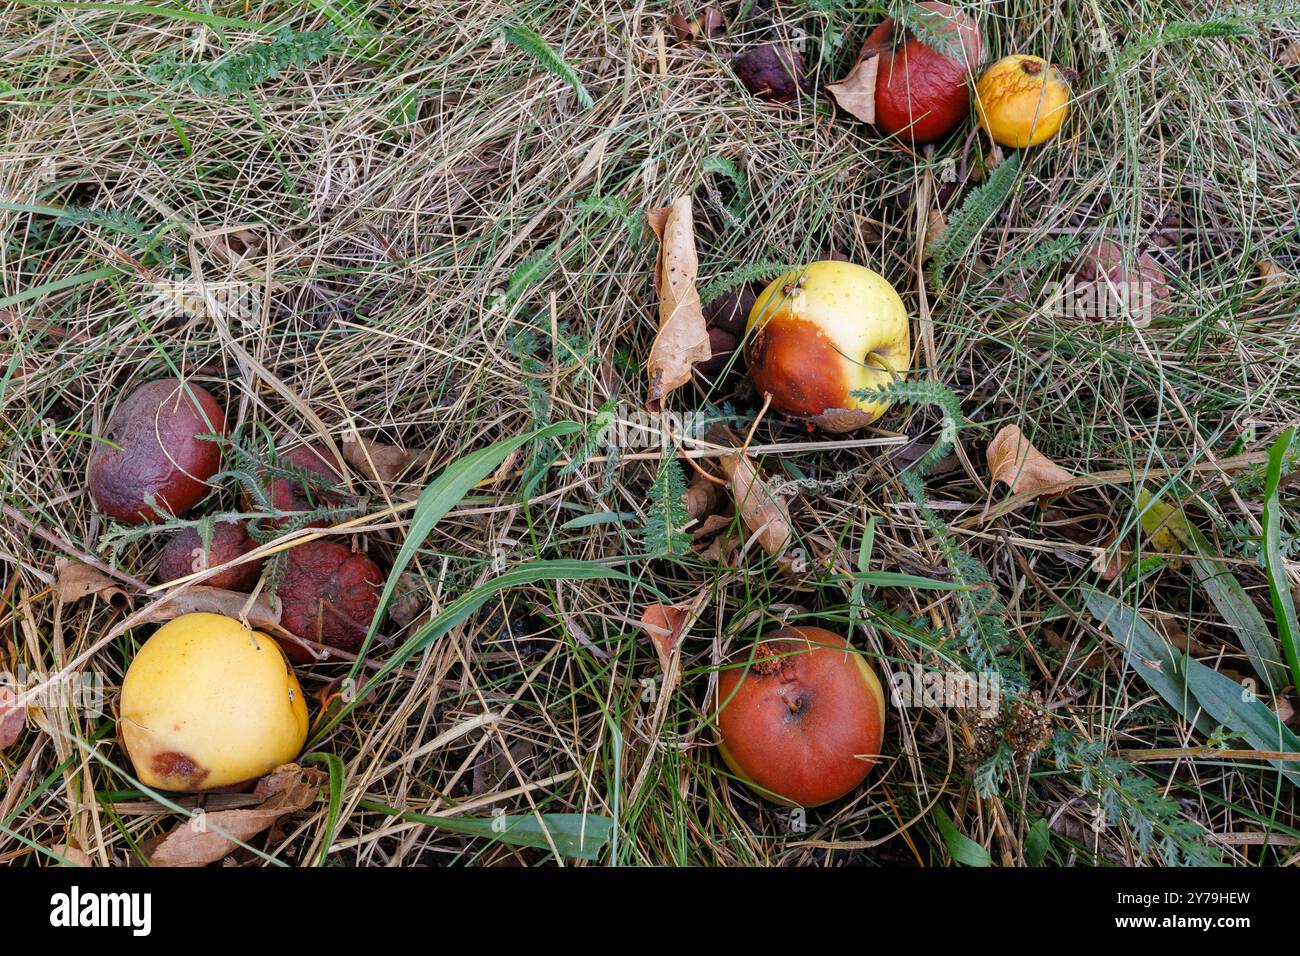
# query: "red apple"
[[185, 554], [803, 720], [922, 93], [154, 461], [288, 495], [329, 595]]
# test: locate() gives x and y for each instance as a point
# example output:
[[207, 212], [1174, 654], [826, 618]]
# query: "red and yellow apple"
[[803, 718], [817, 335]]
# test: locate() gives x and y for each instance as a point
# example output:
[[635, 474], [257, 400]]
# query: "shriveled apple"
[[185, 554], [820, 334], [329, 595], [152, 461], [801, 716], [290, 495]]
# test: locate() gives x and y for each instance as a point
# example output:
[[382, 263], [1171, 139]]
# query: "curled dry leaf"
[[12, 718], [934, 224], [1290, 55], [380, 462], [764, 513], [409, 599], [196, 842], [259, 614], [683, 337], [1022, 467], [1269, 276], [856, 93], [702, 498], [665, 625], [75, 581], [74, 855]]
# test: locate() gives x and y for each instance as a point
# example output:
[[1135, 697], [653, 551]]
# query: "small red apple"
[[329, 595], [922, 93], [803, 720], [185, 554], [288, 495], [154, 460]]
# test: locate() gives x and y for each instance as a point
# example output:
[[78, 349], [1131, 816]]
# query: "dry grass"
[[385, 245]]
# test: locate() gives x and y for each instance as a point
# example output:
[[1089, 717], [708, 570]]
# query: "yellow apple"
[[1022, 101], [817, 335], [209, 703]]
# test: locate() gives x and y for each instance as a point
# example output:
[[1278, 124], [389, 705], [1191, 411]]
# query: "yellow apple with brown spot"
[[209, 703], [820, 334]]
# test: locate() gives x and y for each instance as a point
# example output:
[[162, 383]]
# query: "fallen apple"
[[802, 719], [186, 554], [1022, 101], [923, 94], [209, 703], [328, 594], [317, 489], [152, 461], [817, 335], [771, 72]]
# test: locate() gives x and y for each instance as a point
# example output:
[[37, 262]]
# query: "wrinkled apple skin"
[[328, 595], [184, 555], [771, 72], [1022, 101], [803, 723], [922, 95], [288, 496], [159, 455], [818, 335], [208, 703]]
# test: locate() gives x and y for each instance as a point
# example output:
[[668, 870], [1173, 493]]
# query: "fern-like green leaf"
[[666, 513], [532, 44], [243, 71], [966, 223]]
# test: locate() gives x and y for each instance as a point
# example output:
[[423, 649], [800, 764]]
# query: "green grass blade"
[[1220, 700], [1222, 588], [578, 836], [1160, 665], [1278, 585], [439, 497], [335, 767]]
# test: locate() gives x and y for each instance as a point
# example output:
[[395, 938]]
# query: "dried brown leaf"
[[380, 462], [665, 625], [713, 23], [1015, 462], [74, 855], [12, 718], [934, 225], [196, 842], [75, 581], [764, 513], [260, 614], [683, 337], [856, 93], [702, 498], [409, 599], [1290, 55]]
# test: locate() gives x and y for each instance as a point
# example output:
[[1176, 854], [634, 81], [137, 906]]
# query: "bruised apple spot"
[[173, 766], [792, 360]]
